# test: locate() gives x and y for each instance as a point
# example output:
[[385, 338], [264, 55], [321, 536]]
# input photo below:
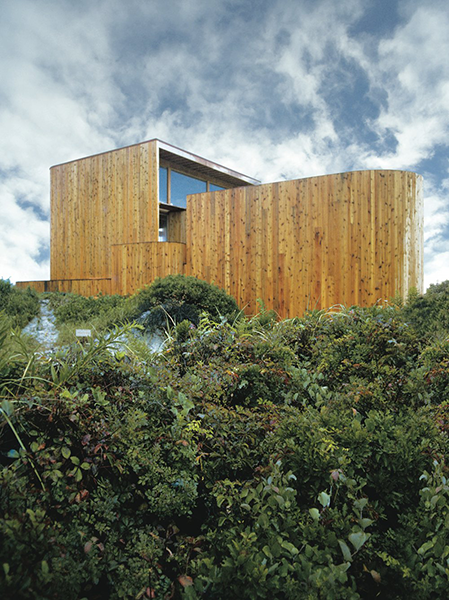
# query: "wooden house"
[[122, 218]]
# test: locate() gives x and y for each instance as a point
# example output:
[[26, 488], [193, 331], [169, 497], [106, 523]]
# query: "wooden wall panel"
[[83, 287], [98, 201], [176, 226], [39, 286], [137, 265], [349, 238]]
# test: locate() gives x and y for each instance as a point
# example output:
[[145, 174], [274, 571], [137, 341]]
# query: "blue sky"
[[275, 89]]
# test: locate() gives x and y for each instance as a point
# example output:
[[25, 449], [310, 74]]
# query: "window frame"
[[163, 164], [163, 214]]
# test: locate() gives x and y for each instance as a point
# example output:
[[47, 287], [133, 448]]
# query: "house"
[[122, 218]]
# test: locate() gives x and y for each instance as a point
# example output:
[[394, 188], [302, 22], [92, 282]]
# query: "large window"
[[181, 185], [174, 187]]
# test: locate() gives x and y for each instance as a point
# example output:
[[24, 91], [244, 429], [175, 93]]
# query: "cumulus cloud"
[[273, 89], [24, 235], [414, 72], [54, 107]]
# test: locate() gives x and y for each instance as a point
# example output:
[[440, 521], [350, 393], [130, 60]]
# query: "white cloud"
[[436, 226], [54, 97], [253, 89], [436, 213], [23, 237], [414, 72], [437, 269]]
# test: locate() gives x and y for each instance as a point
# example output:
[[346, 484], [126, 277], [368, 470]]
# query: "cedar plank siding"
[[348, 238]]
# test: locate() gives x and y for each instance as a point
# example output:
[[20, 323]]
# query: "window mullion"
[[168, 185]]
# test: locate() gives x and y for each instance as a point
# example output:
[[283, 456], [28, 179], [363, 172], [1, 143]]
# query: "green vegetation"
[[160, 305], [305, 458], [73, 312], [72, 308], [176, 298], [429, 313], [19, 305]]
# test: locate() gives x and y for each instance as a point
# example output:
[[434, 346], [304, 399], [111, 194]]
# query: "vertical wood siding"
[[176, 227], [98, 201], [350, 238], [83, 287], [137, 265]]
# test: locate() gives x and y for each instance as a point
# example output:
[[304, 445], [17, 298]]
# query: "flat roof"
[[186, 160]]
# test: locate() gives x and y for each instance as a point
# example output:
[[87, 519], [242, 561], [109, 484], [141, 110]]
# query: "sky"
[[275, 89]]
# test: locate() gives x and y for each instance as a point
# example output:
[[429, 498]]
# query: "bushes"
[[176, 298], [137, 484], [269, 548], [19, 305], [72, 308], [114, 473], [429, 313], [253, 459], [165, 302]]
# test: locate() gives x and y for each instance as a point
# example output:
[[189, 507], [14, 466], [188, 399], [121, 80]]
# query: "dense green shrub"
[[176, 298], [369, 352], [73, 308], [434, 363], [108, 472], [304, 458], [371, 355], [265, 546], [20, 305], [17, 356], [429, 312]]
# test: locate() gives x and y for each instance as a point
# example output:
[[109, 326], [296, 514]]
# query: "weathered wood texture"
[[136, 265], [176, 227], [349, 238], [83, 287], [106, 199]]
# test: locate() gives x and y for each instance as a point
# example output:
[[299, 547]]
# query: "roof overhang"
[[188, 161], [171, 207], [201, 166]]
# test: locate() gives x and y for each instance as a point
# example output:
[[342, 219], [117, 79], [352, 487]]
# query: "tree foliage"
[[305, 458]]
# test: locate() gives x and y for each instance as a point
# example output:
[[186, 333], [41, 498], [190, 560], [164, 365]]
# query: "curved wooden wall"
[[349, 238]]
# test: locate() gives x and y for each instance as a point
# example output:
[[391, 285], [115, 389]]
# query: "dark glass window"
[[163, 227], [163, 187], [174, 187], [182, 185]]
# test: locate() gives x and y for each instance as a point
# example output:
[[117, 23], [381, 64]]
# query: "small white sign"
[[83, 333]]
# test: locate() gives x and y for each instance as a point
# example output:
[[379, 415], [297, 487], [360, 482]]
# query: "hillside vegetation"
[[251, 458], [18, 306]]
